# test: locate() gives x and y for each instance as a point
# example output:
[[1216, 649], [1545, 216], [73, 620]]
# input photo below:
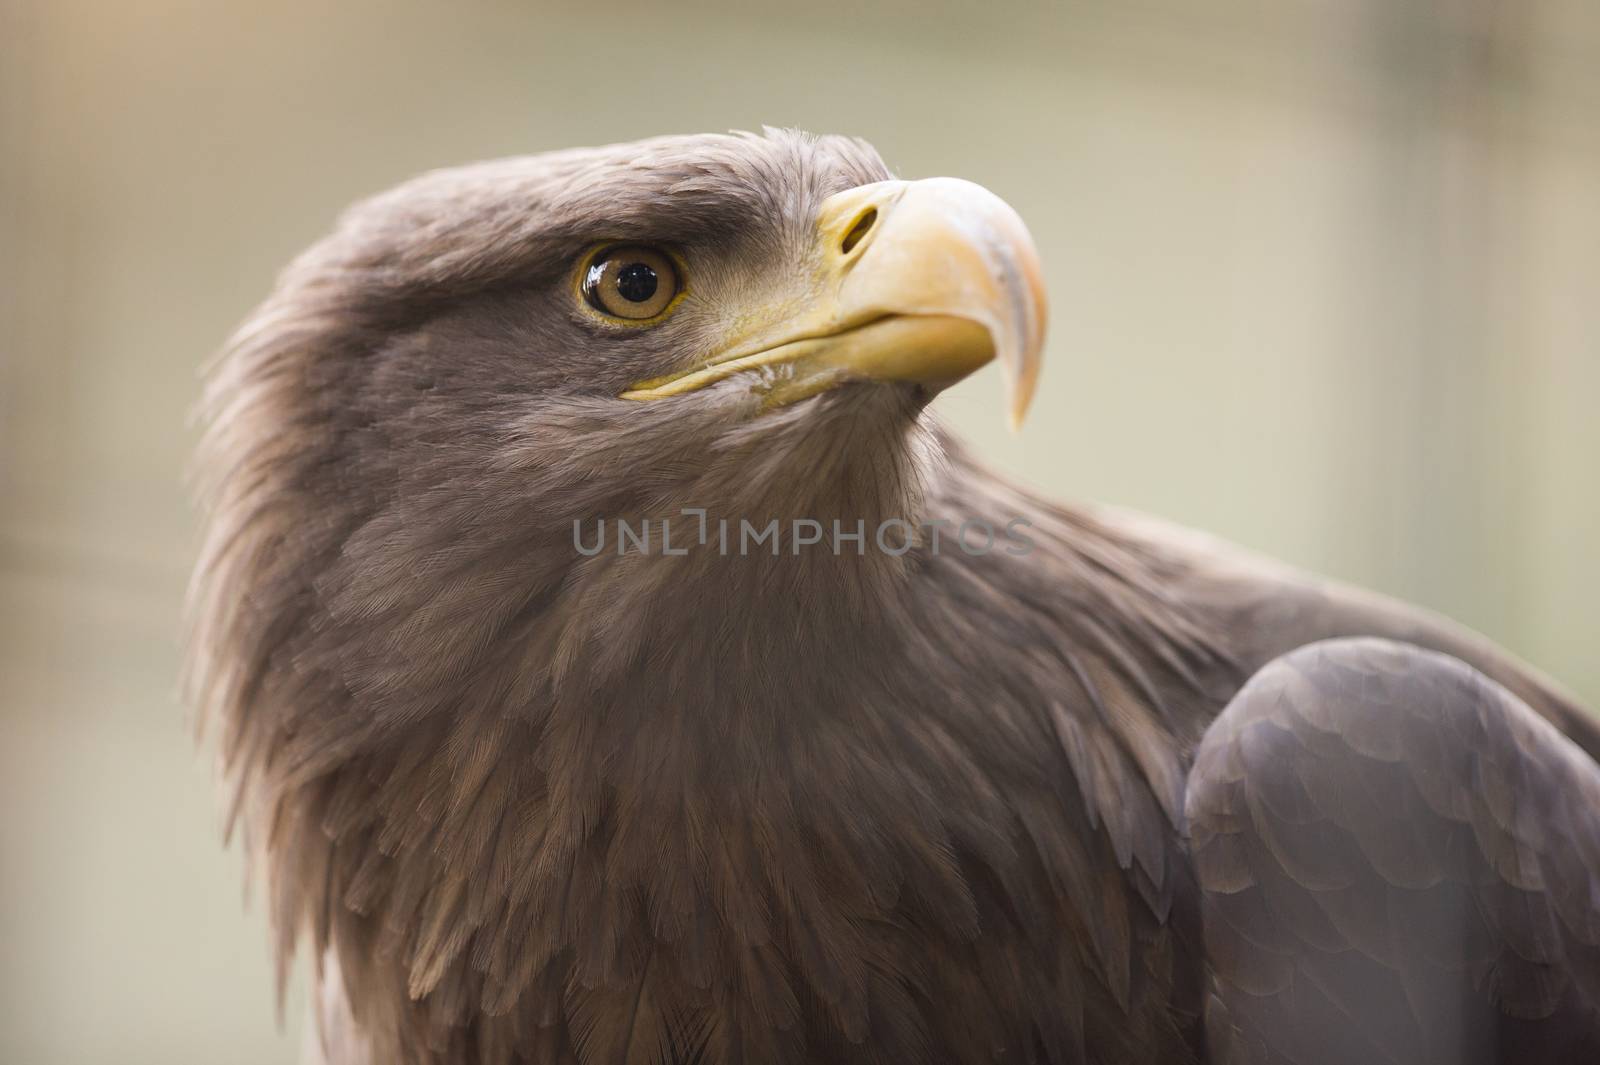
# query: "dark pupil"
[[636, 282]]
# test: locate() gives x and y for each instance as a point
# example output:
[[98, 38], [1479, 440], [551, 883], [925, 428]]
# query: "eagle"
[[612, 660]]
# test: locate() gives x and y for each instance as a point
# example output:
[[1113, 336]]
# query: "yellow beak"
[[920, 282]]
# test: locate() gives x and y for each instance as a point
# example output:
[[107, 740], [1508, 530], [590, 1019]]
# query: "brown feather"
[[537, 807]]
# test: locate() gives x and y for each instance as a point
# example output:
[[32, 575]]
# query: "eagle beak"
[[918, 282]]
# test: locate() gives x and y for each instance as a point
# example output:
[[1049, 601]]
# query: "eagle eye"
[[630, 281]]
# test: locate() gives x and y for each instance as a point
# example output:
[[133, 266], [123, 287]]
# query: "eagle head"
[[437, 704]]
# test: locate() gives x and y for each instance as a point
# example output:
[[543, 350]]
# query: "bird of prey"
[[613, 661]]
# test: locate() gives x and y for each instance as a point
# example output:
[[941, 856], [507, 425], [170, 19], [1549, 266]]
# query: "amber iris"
[[631, 282]]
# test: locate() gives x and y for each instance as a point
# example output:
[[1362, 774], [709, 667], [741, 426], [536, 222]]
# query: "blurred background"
[[1325, 279]]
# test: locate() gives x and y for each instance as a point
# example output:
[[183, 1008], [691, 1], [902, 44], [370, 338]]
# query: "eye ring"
[[631, 284]]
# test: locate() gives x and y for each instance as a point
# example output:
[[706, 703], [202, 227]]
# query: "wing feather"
[[1399, 861]]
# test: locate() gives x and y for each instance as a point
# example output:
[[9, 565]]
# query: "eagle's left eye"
[[630, 281]]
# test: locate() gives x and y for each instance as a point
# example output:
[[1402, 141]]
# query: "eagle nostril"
[[856, 232]]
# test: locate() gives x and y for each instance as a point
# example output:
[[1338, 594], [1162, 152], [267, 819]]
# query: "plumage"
[[524, 803], [1459, 924]]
